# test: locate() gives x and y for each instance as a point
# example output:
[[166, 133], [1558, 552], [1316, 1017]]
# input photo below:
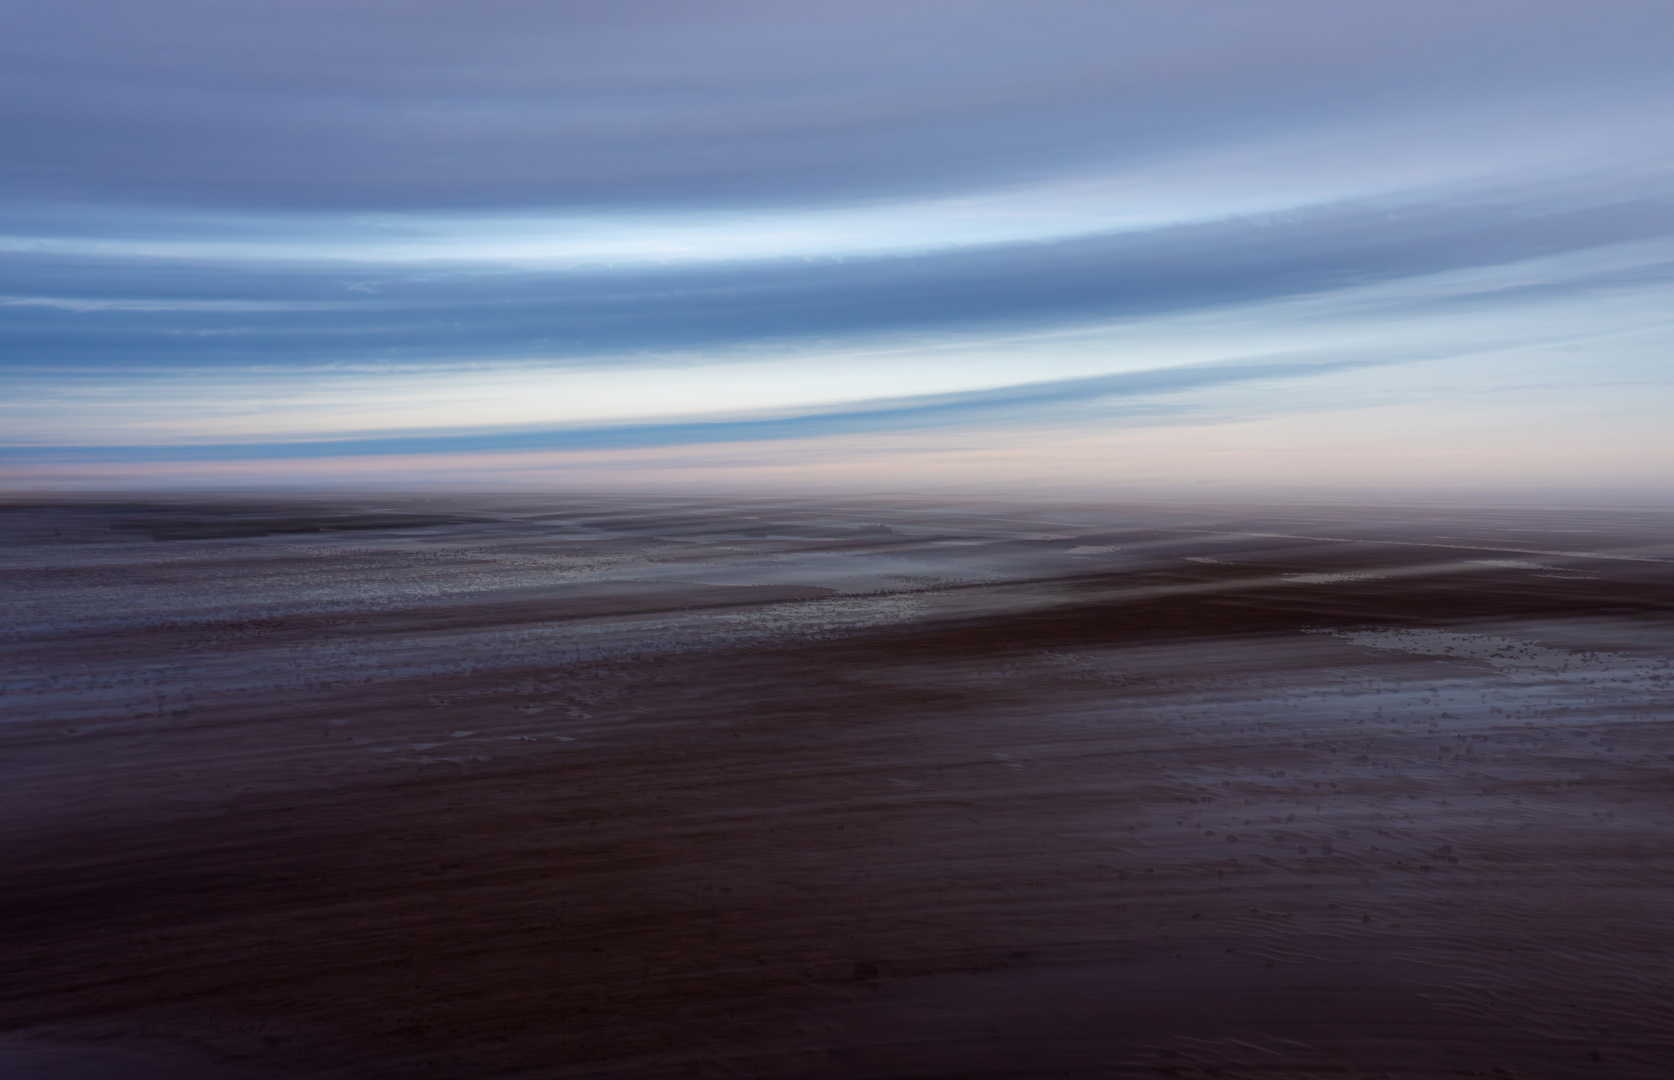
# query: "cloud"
[[56, 310], [1010, 403], [373, 104], [369, 227]]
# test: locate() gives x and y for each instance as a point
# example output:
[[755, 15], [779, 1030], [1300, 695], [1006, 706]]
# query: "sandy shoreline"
[[758, 789]]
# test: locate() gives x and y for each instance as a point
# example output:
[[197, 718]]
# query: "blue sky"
[[1102, 246]]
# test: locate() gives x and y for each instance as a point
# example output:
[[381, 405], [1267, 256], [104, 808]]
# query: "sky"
[[1165, 246]]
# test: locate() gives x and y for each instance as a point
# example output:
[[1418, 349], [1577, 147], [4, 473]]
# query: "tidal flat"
[[352, 787]]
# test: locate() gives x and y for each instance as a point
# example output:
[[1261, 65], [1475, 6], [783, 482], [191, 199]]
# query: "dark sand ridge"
[[592, 787]]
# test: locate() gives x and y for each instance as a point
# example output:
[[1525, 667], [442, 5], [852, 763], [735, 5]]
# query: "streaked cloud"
[[440, 229]]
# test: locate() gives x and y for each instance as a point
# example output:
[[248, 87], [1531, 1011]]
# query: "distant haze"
[[1296, 246]]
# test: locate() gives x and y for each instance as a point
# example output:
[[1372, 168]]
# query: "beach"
[[542, 786]]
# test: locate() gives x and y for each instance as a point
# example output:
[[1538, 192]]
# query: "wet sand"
[[571, 786]]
